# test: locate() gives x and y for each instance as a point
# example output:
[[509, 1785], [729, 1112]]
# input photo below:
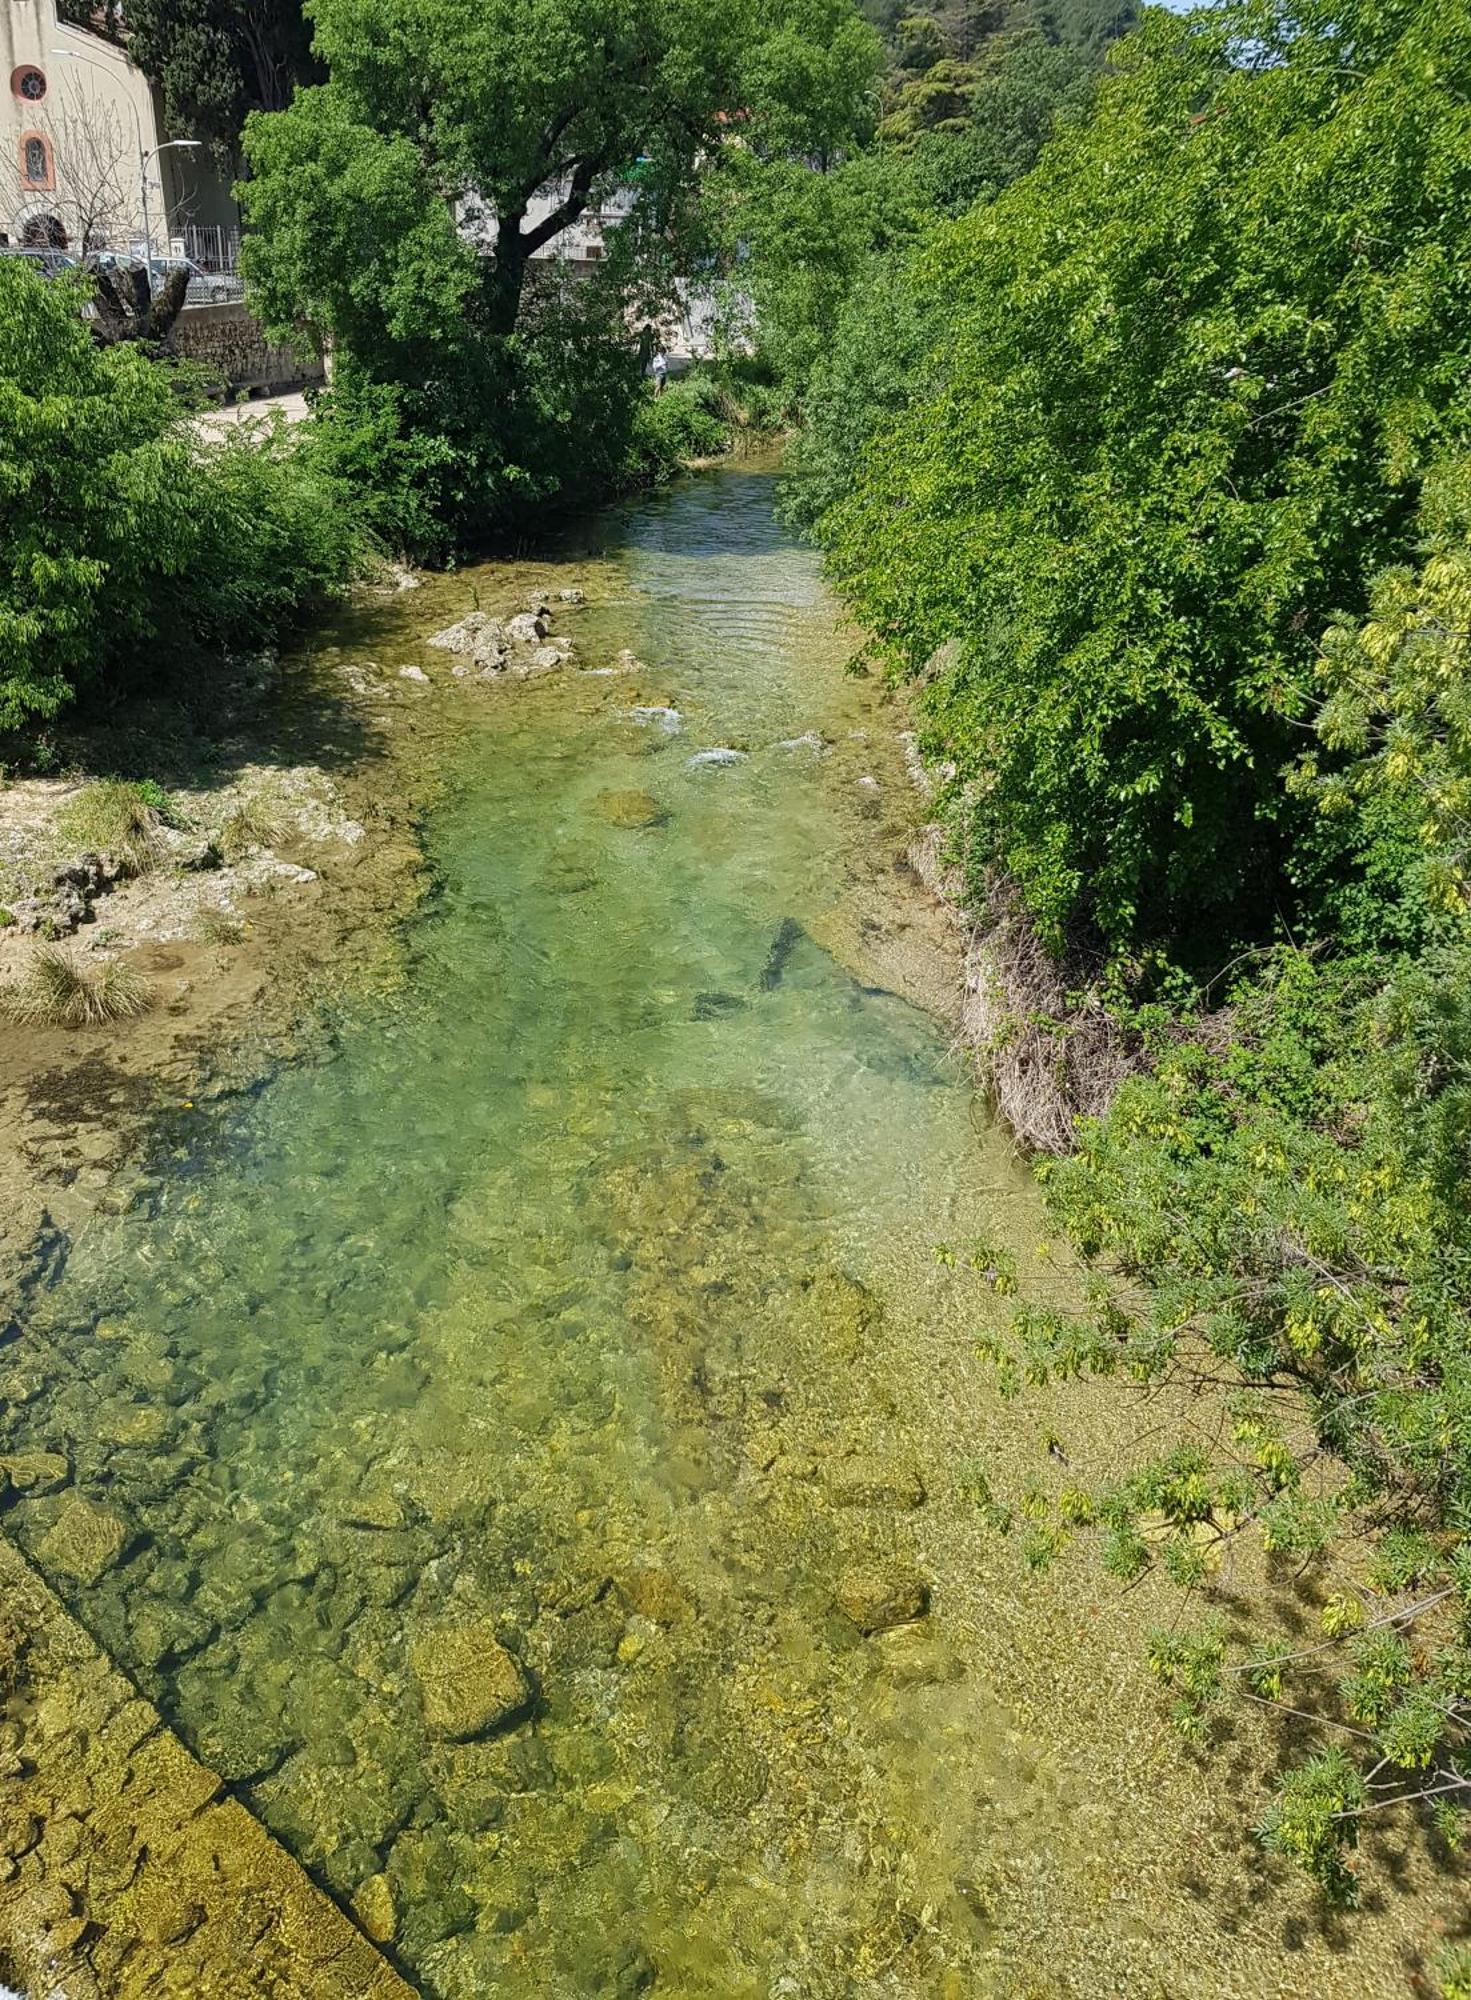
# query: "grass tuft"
[[250, 825], [116, 816], [56, 992]]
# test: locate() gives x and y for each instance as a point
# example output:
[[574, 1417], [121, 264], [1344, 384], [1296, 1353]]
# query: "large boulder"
[[469, 1685], [477, 637]]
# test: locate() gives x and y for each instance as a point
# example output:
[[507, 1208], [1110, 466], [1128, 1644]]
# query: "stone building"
[[80, 139]]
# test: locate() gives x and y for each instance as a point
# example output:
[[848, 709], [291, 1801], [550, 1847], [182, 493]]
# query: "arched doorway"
[[42, 232]]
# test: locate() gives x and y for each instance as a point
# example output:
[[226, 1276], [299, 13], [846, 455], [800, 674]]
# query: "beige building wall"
[[73, 127]]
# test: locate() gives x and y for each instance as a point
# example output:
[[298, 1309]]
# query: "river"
[[598, 1295]]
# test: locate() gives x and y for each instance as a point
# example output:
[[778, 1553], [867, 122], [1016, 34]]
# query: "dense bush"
[[687, 421], [1151, 472], [1186, 380], [124, 538], [404, 222]]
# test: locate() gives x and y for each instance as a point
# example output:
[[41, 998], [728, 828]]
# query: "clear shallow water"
[[564, 1298]]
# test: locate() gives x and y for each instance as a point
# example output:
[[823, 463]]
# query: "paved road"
[[293, 408]]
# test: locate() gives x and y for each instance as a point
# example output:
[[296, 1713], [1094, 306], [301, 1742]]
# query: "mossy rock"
[[374, 1908], [469, 1684], [84, 1542], [631, 809], [36, 1471], [656, 1595]]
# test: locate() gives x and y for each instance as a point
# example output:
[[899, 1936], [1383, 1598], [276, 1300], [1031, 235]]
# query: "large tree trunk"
[[506, 280]]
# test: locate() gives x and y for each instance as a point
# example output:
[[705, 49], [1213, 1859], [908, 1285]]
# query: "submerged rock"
[[85, 1541], [412, 674], [469, 1685], [720, 756], [668, 719], [36, 1471], [373, 1906], [631, 809], [716, 1006], [656, 1595], [878, 1596]]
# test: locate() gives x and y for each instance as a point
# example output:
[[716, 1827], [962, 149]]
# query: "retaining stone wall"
[[228, 340], [125, 1871]]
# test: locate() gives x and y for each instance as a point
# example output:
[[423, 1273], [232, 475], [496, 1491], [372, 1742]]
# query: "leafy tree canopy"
[[431, 109], [122, 541], [1187, 380], [215, 61]]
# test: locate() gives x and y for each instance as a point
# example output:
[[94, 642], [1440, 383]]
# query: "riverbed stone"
[[469, 1685], [630, 809], [547, 659], [528, 628], [426, 1873], [373, 1906], [878, 1596], [656, 1595], [85, 1541], [36, 1472]]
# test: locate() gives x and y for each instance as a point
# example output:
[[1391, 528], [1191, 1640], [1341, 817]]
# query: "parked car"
[[50, 263], [206, 288]]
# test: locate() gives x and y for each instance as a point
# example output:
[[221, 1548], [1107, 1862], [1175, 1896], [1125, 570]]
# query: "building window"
[[35, 161], [28, 82]]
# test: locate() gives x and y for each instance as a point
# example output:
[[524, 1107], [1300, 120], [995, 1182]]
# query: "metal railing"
[[213, 246]]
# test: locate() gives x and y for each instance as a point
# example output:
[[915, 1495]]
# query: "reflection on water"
[[553, 1313]]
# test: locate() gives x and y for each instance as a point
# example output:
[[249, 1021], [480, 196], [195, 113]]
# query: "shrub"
[[1186, 381], [686, 421], [124, 541], [118, 817], [56, 992]]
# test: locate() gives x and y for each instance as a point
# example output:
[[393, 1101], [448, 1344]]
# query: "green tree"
[[215, 61], [397, 207], [1192, 370], [122, 541], [430, 111]]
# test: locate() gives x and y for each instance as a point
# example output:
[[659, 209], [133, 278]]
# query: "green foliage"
[[394, 210], [123, 540], [215, 61], [1187, 380], [1454, 1971], [1314, 1821], [1393, 773], [1149, 468], [687, 421]]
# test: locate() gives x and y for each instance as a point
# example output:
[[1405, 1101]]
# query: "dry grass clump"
[[56, 992], [250, 825], [115, 816]]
